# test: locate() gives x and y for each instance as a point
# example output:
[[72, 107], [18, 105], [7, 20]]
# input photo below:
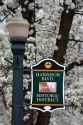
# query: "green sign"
[[47, 85]]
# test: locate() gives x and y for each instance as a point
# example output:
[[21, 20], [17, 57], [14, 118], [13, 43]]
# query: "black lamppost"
[[18, 32]]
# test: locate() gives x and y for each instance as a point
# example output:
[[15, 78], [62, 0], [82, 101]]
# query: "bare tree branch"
[[71, 66], [79, 13]]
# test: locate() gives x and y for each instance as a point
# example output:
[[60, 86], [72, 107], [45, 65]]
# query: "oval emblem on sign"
[[48, 65]]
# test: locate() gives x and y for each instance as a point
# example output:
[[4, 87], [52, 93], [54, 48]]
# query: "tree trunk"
[[65, 26], [43, 118]]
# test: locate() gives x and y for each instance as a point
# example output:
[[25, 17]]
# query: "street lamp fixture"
[[18, 29], [18, 33]]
